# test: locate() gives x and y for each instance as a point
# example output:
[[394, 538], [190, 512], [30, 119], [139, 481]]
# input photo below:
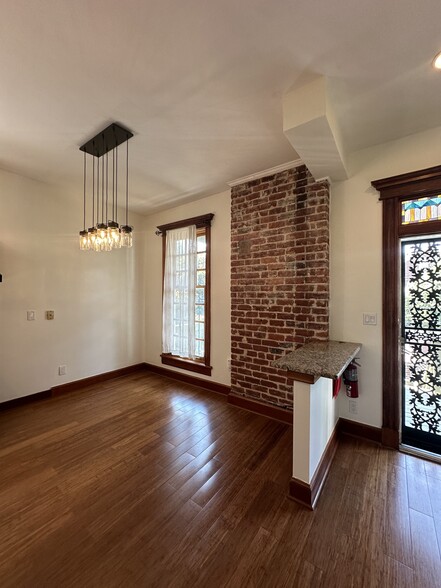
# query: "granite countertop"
[[326, 359]]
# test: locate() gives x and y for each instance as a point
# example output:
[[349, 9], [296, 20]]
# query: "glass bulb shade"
[[126, 236], [115, 237], [97, 244], [84, 240], [102, 231], [102, 244], [114, 234]]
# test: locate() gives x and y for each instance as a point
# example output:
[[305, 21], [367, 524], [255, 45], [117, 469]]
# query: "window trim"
[[200, 366]]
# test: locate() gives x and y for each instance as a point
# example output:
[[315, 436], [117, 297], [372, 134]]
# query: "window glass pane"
[[180, 247], [199, 348], [199, 312], [420, 210], [200, 295], [180, 263], [180, 279], [180, 296], [200, 278], [201, 243], [199, 330], [201, 260]]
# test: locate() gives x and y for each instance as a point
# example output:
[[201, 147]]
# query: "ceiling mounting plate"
[[106, 140]]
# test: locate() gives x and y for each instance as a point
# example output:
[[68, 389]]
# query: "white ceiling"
[[200, 83]]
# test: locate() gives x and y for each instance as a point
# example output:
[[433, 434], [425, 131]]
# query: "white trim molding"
[[266, 172], [324, 179]]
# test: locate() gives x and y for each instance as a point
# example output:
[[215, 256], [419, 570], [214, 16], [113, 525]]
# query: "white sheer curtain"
[[178, 321]]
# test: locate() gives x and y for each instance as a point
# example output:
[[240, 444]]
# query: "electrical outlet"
[[353, 406], [61, 370], [30, 315], [229, 364], [50, 315]]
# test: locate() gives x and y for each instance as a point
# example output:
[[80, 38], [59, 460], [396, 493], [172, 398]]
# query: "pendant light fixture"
[[105, 233]]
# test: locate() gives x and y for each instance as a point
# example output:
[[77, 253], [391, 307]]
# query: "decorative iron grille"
[[422, 335]]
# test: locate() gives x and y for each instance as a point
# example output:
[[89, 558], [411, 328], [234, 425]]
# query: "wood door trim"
[[393, 191], [412, 184]]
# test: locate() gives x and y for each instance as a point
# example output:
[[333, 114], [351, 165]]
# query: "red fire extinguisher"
[[350, 379]]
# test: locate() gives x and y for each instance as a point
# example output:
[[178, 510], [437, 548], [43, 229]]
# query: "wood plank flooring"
[[143, 481]]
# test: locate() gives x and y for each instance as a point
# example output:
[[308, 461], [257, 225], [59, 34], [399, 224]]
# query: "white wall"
[[324, 415], [96, 297], [218, 204], [99, 299], [356, 256]]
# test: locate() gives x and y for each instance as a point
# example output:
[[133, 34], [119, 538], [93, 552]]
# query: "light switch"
[[369, 319], [30, 315]]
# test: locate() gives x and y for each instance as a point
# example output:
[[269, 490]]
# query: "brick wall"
[[279, 277]]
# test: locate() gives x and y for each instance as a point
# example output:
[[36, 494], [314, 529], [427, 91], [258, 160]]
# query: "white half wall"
[[315, 415], [99, 310], [219, 204], [356, 257]]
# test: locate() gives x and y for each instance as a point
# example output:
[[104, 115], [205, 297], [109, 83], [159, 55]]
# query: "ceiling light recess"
[[437, 61], [105, 233]]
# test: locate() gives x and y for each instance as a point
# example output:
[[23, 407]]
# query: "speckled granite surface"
[[326, 359]]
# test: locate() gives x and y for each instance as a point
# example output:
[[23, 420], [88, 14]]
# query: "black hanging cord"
[[84, 195], [127, 183], [107, 187], [102, 192], [113, 185], [116, 184], [93, 190], [97, 175]]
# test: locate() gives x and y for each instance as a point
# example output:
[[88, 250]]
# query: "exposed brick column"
[[279, 277]]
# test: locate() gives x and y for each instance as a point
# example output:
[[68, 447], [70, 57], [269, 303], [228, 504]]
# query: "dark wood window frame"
[[393, 191], [200, 366]]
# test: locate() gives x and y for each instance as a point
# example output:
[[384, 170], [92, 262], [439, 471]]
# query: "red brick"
[[279, 277]]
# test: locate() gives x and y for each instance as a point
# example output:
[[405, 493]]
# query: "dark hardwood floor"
[[143, 481]]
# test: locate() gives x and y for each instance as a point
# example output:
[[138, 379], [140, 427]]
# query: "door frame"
[[393, 190]]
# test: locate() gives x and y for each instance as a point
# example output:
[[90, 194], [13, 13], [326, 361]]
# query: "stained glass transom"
[[421, 210]]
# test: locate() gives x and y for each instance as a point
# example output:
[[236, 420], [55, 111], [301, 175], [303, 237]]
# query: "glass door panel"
[[421, 343]]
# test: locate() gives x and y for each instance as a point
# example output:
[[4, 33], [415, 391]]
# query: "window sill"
[[186, 364]]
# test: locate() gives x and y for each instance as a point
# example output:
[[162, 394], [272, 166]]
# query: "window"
[[186, 294], [201, 293]]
